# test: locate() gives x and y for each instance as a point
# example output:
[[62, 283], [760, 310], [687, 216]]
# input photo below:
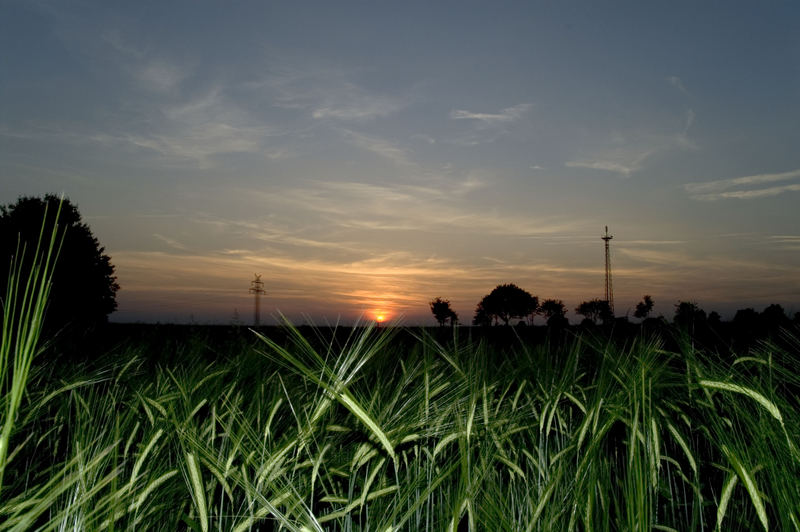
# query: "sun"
[[380, 318]]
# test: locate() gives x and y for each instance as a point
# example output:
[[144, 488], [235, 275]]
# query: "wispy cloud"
[[751, 194], [423, 137], [151, 70], [676, 82], [195, 144], [483, 127], [195, 129], [326, 93], [509, 114], [785, 242], [751, 187], [170, 242], [654, 242], [690, 116], [179, 129], [623, 165], [785, 239], [161, 75], [429, 209], [379, 146], [352, 103], [626, 154]]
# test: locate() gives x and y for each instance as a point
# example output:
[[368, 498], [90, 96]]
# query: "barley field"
[[362, 431]]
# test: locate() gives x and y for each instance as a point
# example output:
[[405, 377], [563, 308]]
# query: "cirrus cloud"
[[745, 187]]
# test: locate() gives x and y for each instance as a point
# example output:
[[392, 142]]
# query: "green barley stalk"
[[23, 314]]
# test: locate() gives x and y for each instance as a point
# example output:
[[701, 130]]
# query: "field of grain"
[[364, 432]]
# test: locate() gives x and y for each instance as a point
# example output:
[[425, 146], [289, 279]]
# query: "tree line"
[[508, 303]]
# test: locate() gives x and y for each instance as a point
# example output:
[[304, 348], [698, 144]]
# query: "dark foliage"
[[555, 312], [442, 312], [773, 318], [746, 321], [84, 286], [689, 315], [643, 308], [482, 318], [596, 309], [505, 302]]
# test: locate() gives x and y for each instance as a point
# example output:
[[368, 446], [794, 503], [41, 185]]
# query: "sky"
[[367, 157]]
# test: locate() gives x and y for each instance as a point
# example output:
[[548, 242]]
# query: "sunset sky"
[[366, 157]]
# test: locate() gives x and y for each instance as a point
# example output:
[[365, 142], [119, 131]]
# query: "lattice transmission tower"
[[609, 288], [257, 288]]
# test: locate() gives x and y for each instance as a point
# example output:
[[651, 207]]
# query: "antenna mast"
[[257, 288], [609, 289]]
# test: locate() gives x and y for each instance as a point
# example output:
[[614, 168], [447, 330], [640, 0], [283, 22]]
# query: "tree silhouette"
[[482, 318], [773, 318], [442, 312], [745, 323], [643, 308], [594, 310], [745, 317], [689, 315], [84, 286], [505, 302], [555, 312]]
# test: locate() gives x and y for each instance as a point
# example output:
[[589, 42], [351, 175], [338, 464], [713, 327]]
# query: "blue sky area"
[[366, 157]]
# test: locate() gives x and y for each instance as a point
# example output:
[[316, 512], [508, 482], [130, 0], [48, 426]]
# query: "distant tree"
[[714, 319], [555, 312], [506, 302], [643, 308], [689, 315], [84, 286], [482, 318], [796, 319], [453, 317], [596, 309], [442, 312], [588, 310], [774, 317], [745, 322]]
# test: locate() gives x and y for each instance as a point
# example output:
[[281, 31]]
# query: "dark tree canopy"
[[746, 318], [774, 317], [555, 312], [505, 302], [482, 318], [643, 308], [442, 311], [689, 315], [596, 309], [84, 286]]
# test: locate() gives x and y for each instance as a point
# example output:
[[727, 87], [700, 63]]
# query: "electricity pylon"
[[609, 288], [257, 288]]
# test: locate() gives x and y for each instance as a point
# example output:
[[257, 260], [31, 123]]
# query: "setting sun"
[[380, 318]]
